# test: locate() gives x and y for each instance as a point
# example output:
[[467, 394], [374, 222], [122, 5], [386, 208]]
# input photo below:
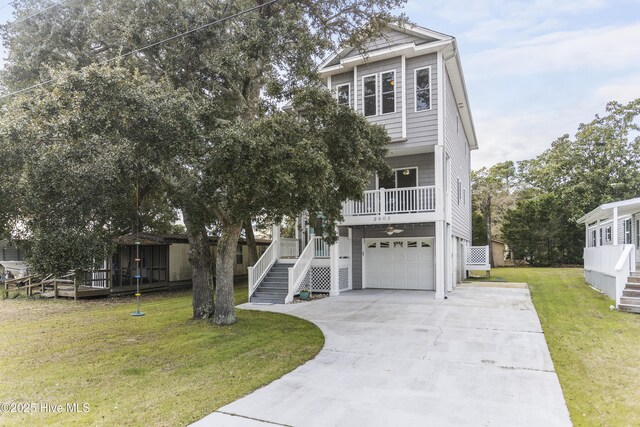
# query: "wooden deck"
[[51, 288]]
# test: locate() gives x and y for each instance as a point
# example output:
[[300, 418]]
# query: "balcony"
[[388, 205]]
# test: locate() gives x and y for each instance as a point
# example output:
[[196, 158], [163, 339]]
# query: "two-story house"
[[410, 230]]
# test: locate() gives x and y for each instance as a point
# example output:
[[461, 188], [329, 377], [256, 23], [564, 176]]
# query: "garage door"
[[399, 263]]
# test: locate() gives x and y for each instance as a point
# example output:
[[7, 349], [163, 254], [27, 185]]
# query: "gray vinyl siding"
[[621, 230], [425, 163], [373, 232], [390, 38], [391, 121], [456, 144], [422, 126], [356, 261]]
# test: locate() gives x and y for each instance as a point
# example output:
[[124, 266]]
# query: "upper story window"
[[388, 92], [343, 93], [423, 89], [459, 191], [370, 95]]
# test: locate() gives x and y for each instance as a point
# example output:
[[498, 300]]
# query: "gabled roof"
[[410, 41], [605, 211]]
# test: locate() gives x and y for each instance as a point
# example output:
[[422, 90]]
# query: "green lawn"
[[160, 369], [596, 352]]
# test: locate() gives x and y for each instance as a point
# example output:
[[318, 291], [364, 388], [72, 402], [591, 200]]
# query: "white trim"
[[395, 93], [415, 90], [365, 96], [338, 89], [329, 83], [355, 88], [403, 71], [441, 101], [396, 177]]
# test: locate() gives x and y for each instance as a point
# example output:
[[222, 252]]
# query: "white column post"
[[350, 230], [615, 226], [439, 180], [598, 235], [440, 259], [586, 234], [275, 238], [334, 255], [383, 201]]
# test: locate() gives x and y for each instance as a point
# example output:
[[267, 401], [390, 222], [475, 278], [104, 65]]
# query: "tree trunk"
[[201, 266], [487, 219], [225, 313], [251, 243]]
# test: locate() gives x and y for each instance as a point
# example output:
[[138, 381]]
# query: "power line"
[[34, 13], [168, 39]]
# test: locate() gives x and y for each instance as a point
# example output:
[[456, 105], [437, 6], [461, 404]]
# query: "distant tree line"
[[533, 205]]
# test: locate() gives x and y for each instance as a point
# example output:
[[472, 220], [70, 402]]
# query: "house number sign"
[[382, 218]]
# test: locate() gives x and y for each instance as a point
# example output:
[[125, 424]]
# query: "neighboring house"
[[12, 259], [411, 230], [164, 264], [501, 254], [611, 253]]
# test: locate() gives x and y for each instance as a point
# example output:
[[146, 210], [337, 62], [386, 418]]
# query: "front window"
[[343, 94], [627, 231], [608, 234], [370, 96], [389, 92], [423, 89], [400, 178], [239, 259], [593, 238]]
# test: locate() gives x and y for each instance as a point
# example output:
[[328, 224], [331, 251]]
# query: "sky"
[[537, 69], [534, 69]]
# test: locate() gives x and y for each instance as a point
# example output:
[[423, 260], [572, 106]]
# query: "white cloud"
[[607, 48], [520, 135]]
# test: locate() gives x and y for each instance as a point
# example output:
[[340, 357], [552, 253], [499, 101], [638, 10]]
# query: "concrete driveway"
[[401, 358]]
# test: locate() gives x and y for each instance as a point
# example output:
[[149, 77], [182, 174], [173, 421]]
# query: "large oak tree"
[[247, 159]]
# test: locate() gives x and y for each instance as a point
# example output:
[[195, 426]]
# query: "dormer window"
[[388, 92], [343, 93], [423, 89], [369, 84]]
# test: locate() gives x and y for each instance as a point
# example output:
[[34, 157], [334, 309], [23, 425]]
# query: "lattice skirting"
[[343, 279], [317, 279]]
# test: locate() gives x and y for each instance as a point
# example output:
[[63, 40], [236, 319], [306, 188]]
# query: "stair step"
[[267, 300], [630, 285], [271, 291], [631, 292], [629, 308], [633, 279], [630, 301]]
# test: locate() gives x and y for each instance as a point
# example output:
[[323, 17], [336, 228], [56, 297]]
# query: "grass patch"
[[162, 369], [595, 351]]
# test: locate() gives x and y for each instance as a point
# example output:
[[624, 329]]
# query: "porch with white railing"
[[320, 267], [607, 268], [392, 201]]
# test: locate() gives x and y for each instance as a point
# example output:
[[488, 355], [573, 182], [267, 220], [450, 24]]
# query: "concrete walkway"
[[401, 358]]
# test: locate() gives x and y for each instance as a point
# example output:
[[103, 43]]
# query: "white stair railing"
[[301, 267], [262, 267]]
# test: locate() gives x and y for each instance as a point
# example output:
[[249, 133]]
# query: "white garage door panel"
[[399, 263]]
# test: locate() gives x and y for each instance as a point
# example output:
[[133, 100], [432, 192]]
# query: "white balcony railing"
[[393, 201]]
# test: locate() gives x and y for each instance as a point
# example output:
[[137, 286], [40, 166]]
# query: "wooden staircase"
[[630, 301], [274, 287]]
